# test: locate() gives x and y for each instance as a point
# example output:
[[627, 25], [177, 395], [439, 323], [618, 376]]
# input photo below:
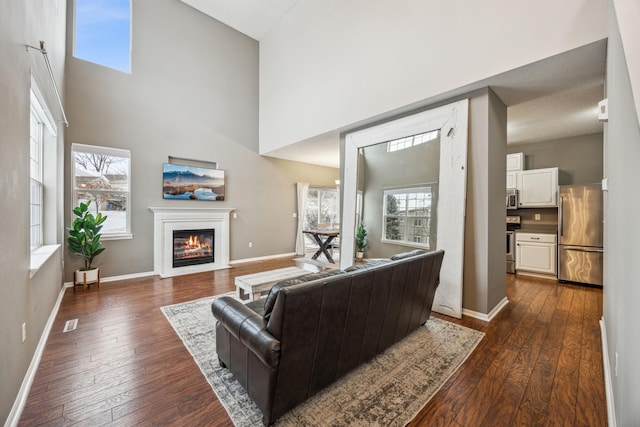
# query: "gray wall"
[[622, 229], [382, 170], [484, 268], [578, 158], [24, 299], [192, 93]]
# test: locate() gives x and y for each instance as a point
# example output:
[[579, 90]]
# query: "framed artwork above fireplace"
[[192, 183]]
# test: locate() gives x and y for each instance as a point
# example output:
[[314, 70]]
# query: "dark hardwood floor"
[[540, 362]]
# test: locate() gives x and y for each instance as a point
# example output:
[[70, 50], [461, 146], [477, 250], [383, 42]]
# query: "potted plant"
[[84, 241], [361, 240]]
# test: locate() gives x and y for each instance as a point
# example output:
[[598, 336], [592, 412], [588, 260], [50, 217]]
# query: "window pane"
[[407, 216], [329, 212], [102, 177], [35, 173], [311, 209], [102, 33]]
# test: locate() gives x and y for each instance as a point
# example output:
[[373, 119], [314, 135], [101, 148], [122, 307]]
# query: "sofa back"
[[329, 326]]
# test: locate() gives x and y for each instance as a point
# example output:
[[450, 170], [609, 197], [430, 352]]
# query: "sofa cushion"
[[407, 254], [257, 306], [366, 265], [273, 293]]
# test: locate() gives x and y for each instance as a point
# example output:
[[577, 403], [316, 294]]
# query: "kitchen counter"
[[541, 229]]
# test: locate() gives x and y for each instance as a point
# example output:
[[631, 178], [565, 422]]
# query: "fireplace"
[[193, 247], [168, 219]]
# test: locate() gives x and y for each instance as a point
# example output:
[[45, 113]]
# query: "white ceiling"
[[552, 99], [251, 17]]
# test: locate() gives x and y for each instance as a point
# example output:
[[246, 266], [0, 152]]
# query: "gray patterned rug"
[[389, 390]]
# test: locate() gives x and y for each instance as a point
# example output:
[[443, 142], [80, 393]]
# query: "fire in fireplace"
[[192, 247]]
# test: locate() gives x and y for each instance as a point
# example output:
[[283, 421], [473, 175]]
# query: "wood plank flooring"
[[539, 364]]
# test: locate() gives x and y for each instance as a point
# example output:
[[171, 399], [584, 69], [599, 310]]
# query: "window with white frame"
[[407, 217], [36, 140], [411, 141], [321, 210], [102, 175]]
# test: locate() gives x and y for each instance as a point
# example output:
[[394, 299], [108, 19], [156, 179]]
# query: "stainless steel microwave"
[[512, 199]]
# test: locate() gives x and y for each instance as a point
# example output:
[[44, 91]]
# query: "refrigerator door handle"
[[581, 249], [561, 224]]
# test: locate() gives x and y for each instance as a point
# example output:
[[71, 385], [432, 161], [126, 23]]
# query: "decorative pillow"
[[407, 254], [273, 293], [366, 265]]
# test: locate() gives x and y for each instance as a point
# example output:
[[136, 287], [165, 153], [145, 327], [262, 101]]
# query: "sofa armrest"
[[248, 327]]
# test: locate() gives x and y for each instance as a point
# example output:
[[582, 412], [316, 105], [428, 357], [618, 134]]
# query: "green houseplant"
[[361, 240], [84, 241]]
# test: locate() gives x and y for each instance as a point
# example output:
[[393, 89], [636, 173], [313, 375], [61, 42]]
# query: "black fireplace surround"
[[193, 247]]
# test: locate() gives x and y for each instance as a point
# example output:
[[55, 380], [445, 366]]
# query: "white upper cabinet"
[[515, 162], [512, 179], [538, 188]]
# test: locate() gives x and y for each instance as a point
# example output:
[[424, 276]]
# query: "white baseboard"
[[116, 278], [608, 384], [21, 399], [262, 258], [486, 317]]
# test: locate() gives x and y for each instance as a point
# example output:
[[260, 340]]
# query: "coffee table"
[[252, 285]]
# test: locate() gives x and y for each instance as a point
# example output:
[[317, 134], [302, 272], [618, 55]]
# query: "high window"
[[103, 32], [102, 175], [407, 217], [411, 141]]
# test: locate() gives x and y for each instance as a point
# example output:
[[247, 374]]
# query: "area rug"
[[389, 390]]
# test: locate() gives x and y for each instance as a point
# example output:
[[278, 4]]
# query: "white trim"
[[21, 399], [608, 384], [41, 107], [486, 317], [452, 121], [40, 256], [117, 278], [168, 219], [96, 149], [262, 258]]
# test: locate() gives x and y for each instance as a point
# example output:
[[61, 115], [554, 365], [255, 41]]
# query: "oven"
[[511, 251], [513, 223]]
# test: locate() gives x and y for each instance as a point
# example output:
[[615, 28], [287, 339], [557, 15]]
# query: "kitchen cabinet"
[[536, 252], [515, 162], [538, 188], [512, 180]]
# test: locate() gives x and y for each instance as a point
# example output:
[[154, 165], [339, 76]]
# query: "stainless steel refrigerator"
[[580, 224]]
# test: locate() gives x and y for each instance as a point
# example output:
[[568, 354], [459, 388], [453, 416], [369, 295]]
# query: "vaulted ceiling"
[[553, 99]]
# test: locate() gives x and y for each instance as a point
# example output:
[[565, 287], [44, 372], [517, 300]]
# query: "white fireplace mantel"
[[166, 219]]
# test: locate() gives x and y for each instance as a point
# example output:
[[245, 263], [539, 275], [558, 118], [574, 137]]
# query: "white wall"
[[329, 64]]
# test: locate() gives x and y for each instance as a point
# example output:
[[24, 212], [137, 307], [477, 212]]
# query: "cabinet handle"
[[535, 238]]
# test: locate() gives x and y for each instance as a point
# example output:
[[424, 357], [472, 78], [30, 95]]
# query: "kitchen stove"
[[513, 223]]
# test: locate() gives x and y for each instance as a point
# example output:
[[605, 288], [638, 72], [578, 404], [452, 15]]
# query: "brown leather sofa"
[[313, 330]]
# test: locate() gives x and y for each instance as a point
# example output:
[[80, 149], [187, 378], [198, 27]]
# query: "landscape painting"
[[192, 183]]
